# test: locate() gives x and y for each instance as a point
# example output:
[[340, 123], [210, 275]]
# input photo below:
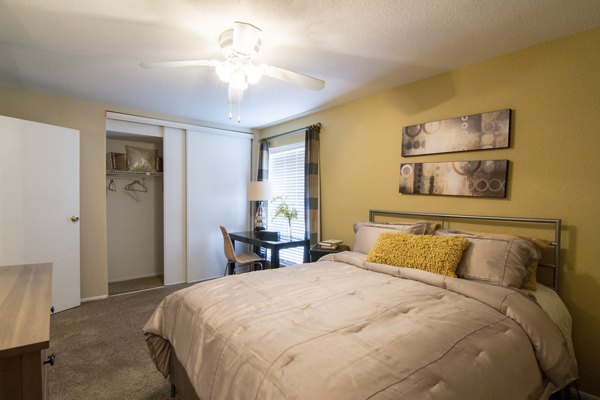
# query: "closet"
[[174, 226], [134, 199]]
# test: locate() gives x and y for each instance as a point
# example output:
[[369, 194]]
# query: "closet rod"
[[288, 132]]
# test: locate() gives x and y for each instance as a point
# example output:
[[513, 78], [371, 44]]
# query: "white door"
[[39, 202], [218, 171]]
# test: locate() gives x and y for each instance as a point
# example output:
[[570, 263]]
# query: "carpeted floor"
[[134, 285], [101, 352]]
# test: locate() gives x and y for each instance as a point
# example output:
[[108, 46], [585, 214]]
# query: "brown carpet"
[[134, 285], [101, 352]]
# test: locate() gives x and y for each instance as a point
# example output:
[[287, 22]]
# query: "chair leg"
[[229, 268], [256, 266]]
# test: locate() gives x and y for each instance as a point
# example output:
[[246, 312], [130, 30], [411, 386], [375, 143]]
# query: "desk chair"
[[233, 259]]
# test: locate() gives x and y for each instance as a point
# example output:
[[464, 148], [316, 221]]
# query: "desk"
[[283, 243]]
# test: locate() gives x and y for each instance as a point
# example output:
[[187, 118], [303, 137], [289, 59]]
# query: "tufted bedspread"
[[342, 328]]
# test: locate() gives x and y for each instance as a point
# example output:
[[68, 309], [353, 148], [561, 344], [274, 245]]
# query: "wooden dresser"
[[25, 302]]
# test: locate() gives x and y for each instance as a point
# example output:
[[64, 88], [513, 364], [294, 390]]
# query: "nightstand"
[[316, 252]]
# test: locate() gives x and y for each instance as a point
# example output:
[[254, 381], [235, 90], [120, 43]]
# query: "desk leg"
[[275, 258], [307, 253], [230, 265]]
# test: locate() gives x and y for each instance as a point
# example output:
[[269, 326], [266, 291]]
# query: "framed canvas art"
[[488, 130], [483, 178]]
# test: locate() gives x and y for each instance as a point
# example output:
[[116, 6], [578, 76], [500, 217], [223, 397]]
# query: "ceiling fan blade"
[[246, 38], [178, 64], [294, 77]]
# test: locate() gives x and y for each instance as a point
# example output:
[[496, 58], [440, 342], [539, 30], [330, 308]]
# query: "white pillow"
[[497, 259], [366, 233]]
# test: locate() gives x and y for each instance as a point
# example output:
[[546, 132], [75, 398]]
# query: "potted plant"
[[285, 211]]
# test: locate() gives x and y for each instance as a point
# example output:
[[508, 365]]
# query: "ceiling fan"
[[239, 47]]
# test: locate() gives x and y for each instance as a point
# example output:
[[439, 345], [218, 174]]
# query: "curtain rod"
[[289, 132]]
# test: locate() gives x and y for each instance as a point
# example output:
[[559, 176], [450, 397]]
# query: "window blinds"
[[286, 173]]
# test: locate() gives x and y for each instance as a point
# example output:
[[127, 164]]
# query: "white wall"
[[134, 221]]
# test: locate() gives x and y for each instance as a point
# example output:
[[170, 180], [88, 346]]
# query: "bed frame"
[[551, 263], [180, 382]]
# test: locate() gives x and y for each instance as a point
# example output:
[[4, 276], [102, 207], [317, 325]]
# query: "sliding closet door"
[[218, 171], [174, 206]]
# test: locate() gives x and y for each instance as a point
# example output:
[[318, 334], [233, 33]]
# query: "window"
[[286, 173]]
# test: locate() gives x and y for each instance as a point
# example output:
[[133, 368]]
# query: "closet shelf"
[[114, 172]]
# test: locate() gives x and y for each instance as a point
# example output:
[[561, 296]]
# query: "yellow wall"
[[554, 92]]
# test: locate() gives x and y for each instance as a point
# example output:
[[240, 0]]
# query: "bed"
[[352, 326]]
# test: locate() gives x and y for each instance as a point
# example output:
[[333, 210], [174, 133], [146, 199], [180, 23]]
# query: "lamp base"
[[258, 218]]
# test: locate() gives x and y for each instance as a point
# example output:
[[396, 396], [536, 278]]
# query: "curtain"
[[263, 162], [312, 203], [263, 175]]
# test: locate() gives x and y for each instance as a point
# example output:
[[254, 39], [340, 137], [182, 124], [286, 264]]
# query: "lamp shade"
[[259, 190]]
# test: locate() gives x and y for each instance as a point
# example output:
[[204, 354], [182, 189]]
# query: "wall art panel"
[[483, 178], [488, 130]]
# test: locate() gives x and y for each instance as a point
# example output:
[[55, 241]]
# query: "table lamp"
[[259, 191]]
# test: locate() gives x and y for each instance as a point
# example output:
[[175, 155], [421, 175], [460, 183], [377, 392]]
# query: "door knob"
[[74, 218]]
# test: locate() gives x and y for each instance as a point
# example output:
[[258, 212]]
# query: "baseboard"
[[175, 283], [136, 291], [104, 296], [582, 395], [129, 278]]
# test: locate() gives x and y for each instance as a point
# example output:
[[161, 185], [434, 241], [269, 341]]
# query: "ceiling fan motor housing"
[[243, 40]]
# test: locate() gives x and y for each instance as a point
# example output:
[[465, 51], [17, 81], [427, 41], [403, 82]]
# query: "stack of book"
[[330, 244]]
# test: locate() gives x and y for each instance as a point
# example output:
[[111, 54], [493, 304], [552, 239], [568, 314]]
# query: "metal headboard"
[[443, 219]]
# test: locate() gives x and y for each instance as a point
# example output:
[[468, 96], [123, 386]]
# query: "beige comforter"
[[347, 329]]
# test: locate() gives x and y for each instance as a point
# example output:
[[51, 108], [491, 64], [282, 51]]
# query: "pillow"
[[366, 233], [436, 254], [502, 260], [139, 159]]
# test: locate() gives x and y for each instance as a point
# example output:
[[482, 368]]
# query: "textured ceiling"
[[92, 49]]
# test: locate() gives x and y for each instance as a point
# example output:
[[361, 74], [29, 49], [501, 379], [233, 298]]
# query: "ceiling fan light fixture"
[[253, 73], [224, 71], [238, 80]]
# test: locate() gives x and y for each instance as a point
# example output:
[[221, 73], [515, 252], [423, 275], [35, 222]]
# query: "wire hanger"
[[111, 186], [136, 186]]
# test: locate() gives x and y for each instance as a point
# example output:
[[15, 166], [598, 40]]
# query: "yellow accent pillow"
[[437, 254]]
